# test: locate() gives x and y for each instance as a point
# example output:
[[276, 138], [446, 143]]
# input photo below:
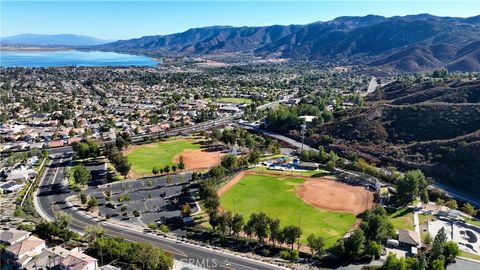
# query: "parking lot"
[[157, 199]]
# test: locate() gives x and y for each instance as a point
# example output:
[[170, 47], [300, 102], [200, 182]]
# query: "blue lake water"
[[71, 58]]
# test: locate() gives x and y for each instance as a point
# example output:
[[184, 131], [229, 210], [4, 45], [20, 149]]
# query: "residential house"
[[13, 236], [21, 253], [78, 261]]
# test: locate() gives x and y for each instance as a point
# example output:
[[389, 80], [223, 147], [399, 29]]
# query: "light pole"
[[303, 126]]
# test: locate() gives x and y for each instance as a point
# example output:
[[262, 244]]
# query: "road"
[[291, 142], [50, 199]]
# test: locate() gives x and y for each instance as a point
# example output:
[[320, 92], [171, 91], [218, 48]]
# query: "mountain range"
[[51, 40], [409, 43]]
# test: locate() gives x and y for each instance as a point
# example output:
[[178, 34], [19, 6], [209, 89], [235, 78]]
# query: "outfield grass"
[[318, 173], [402, 219], [233, 100], [145, 157], [276, 197]]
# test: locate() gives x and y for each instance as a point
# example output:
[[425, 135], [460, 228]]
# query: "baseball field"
[[321, 206], [144, 157]]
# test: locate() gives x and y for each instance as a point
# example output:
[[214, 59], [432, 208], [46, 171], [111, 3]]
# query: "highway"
[[50, 199]]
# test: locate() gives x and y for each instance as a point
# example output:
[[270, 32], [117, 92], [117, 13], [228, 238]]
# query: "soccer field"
[[144, 157], [277, 198]]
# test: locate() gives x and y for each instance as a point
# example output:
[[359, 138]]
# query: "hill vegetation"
[[427, 123], [409, 43]]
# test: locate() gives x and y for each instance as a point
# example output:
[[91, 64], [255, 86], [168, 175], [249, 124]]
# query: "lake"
[[71, 58]]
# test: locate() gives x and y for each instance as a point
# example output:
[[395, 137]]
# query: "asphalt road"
[[50, 198]]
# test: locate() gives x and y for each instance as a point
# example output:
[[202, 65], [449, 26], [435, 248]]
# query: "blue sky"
[[129, 19]]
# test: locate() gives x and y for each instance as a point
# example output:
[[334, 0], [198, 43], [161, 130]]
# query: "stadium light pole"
[[303, 126]]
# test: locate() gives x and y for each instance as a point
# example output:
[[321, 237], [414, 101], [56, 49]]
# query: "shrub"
[[153, 226], [163, 228], [290, 255]]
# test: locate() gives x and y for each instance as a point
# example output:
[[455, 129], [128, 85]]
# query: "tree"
[[374, 249], [181, 163], [291, 234], [260, 225], [427, 239], [410, 186], [275, 230], [450, 251], [212, 203], [213, 219], [71, 133], [124, 167], [393, 263], [92, 232], [237, 224], [81, 175], [254, 157], [438, 264], [229, 162], [185, 210], [92, 203], [166, 169], [83, 198], [376, 225], [469, 209], [330, 165], [153, 226], [249, 228], [438, 244], [316, 244], [155, 170], [452, 204], [218, 172], [174, 168], [355, 244]]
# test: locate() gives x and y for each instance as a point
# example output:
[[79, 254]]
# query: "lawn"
[[318, 173], [276, 197], [145, 157], [402, 219], [233, 100]]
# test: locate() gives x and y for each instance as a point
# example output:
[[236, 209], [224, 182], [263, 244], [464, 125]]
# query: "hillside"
[[435, 127], [409, 43]]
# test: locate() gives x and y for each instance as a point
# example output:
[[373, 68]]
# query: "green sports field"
[[276, 197], [232, 100], [145, 157]]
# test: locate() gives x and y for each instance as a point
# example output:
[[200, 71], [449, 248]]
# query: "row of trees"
[[57, 229], [139, 255], [119, 161], [86, 149], [243, 138], [179, 166]]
